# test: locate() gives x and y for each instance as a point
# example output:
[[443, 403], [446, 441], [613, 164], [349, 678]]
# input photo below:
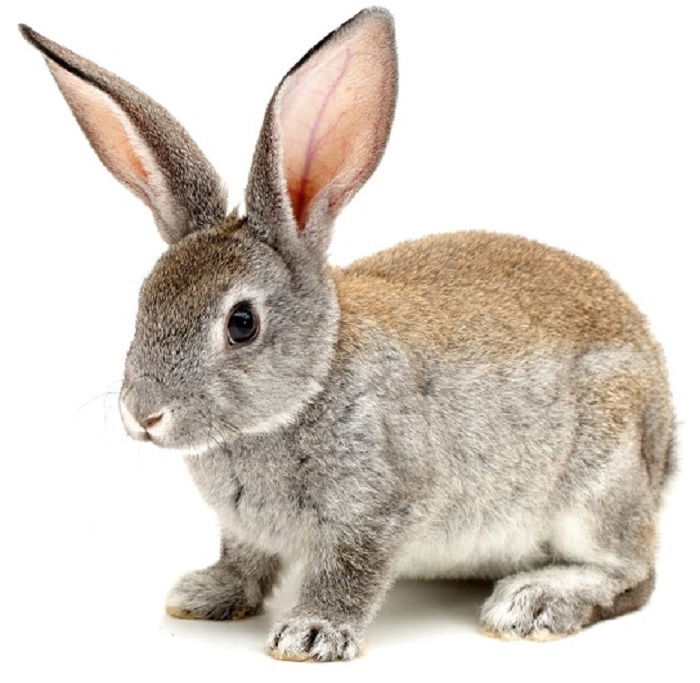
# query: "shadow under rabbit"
[[438, 604]]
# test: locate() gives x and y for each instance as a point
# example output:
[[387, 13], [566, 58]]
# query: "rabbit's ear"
[[324, 133], [139, 142]]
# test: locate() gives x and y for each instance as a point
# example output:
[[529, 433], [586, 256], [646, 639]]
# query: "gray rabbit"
[[465, 405]]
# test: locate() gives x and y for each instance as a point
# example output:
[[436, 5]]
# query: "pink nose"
[[151, 421]]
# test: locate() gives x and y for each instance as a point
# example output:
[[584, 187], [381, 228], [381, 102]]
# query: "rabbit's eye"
[[242, 323]]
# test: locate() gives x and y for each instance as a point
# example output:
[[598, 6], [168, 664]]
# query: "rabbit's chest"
[[261, 503]]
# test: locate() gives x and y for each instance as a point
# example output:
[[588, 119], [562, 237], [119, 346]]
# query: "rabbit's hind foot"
[[559, 600]]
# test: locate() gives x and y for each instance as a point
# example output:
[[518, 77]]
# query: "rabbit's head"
[[238, 320]]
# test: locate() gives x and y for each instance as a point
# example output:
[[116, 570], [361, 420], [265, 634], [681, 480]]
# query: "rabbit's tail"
[[659, 441]]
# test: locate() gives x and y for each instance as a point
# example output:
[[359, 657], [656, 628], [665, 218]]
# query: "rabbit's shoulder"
[[487, 291]]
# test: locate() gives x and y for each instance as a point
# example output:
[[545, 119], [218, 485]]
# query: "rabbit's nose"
[[143, 424], [152, 420]]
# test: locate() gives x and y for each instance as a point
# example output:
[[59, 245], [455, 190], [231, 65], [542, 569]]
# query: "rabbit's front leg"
[[342, 588], [232, 588]]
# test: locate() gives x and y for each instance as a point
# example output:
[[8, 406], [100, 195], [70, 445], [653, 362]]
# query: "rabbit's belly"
[[477, 553]]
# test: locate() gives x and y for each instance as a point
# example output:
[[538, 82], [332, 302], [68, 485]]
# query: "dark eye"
[[242, 323]]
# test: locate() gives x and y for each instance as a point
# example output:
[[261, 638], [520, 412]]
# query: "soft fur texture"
[[467, 405]]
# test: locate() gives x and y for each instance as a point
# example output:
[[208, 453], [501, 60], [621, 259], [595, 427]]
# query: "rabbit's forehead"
[[192, 278]]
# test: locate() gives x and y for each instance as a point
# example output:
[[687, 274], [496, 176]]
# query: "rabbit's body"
[[467, 405], [547, 403], [512, 459]]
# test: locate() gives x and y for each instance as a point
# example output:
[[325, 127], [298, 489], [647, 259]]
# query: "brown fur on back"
[[487, 292]]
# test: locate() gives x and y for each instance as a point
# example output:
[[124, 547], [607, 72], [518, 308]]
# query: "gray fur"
[[520, 446]]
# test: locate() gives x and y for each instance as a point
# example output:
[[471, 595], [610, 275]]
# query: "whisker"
[[104, 394]]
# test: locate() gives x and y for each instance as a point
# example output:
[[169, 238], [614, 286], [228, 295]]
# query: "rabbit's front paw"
[[216, 593], [300, 638]]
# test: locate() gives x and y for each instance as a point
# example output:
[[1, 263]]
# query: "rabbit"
[[465, 405]]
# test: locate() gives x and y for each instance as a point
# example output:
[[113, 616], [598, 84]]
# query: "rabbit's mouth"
[[175, 425], [149, 428]]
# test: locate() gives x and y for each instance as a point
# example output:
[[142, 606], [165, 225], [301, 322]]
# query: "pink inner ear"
[[334, 115], [110, 133]]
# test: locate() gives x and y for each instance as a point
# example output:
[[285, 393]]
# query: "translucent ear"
[[325, 130], [139, 142]]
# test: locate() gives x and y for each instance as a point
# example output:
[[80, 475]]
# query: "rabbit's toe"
[[531, 611], [209, 594], [303, 638]]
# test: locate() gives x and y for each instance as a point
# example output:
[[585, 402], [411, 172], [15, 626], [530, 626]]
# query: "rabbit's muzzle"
[[143, 411]]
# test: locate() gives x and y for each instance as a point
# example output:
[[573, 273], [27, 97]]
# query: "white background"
[[574, 123]]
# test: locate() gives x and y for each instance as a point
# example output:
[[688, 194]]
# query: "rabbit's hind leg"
[[602, 566], [602, 541], [559, 600]]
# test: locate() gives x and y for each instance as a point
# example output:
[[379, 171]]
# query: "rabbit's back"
[[488, 294]]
